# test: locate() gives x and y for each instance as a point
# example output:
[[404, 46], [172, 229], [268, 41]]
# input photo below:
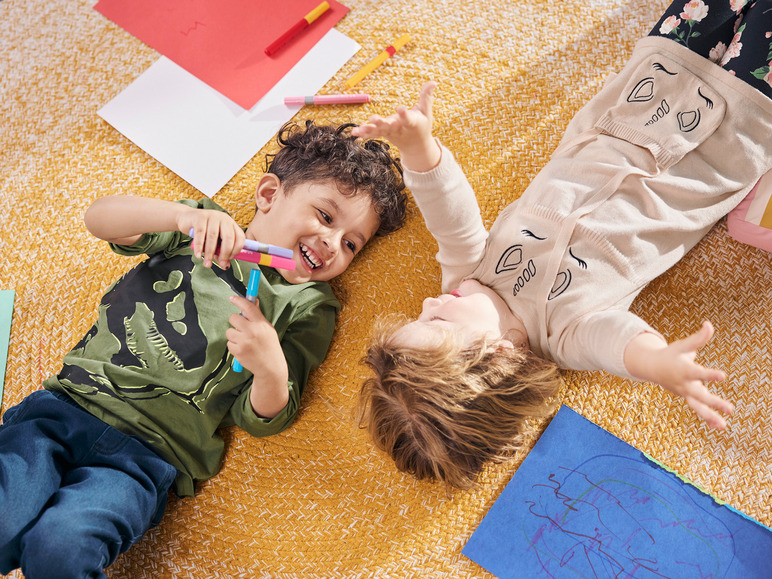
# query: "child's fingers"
[[698, 339], [250, 312], [219, 239], [387, 125], [372, 129], [426, 98], [403, 117], [708, 405], [211, 239], [199, 237], [706, 397], [225, 250], [712, 418], [376, 122], [231, 243], [362, 131], [711, 375]]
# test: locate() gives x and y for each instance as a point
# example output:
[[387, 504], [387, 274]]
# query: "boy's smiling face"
[[324, 228]]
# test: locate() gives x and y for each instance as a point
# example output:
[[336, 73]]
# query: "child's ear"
[[502, 345], [268, 189]]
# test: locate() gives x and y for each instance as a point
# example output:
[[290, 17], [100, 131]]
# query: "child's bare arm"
[[123, 219], [648, 357], [410, 131], [254, 343]]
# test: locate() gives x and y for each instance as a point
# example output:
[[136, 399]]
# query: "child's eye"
[[325, 217], [351, 246], [529, 233], [580, 261]]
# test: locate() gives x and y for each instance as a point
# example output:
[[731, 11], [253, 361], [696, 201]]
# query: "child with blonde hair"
[[667, 148]]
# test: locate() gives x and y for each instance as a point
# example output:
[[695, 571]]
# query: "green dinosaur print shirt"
[[156, 365]]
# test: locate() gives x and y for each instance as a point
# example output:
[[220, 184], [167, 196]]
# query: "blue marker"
[[252, 285]]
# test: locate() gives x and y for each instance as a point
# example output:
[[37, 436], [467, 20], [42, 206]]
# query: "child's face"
[[471, 312], [324, 228]]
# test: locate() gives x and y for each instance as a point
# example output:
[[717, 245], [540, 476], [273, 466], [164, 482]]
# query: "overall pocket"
[[665, 109]]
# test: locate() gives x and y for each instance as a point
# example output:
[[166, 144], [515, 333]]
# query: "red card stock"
[[223, 43]]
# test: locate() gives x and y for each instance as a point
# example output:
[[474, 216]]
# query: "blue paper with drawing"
[[586, 504]]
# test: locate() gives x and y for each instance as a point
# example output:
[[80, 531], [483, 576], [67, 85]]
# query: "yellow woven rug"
[[317, 500]]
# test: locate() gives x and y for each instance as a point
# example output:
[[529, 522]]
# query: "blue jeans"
[[74, 492]]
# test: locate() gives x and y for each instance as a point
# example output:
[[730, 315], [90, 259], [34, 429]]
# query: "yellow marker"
[[378, 60], [299, 26]]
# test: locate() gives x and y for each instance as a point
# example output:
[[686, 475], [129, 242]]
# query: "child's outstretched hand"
[[409, 130], [254, 343], [672, 366], [214, 233]]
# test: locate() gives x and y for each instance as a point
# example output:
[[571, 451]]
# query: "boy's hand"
[[672, 366], [254, 343], [214, 232], [409, 130]]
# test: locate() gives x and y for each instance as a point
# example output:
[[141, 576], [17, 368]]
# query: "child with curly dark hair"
[[667, 148], [85, 463]]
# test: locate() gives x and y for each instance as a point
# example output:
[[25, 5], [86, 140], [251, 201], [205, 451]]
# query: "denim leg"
[[112, 489], [97, 515], [30, 471]]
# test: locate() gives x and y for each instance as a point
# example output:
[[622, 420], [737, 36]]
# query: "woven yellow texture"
[[317, 500]]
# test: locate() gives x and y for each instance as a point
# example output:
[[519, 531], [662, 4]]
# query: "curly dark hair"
[[322, 152]]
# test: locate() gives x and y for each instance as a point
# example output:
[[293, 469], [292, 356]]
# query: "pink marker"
[[265, 259], [328, 99]]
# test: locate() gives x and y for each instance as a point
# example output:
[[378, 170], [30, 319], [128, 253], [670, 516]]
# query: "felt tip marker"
[[253, 245], [265, 259], [328, 99], [378, 60], [252, 287], [297, 28]]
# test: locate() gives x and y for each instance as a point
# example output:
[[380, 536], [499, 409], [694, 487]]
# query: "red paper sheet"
[[223, 43]]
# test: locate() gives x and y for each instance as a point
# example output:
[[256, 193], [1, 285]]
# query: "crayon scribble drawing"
[[586, 504]]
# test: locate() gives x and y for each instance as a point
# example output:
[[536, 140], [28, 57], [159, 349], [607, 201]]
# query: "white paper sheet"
[[201, 135]]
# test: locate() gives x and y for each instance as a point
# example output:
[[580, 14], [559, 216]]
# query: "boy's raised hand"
[[409, 130], [214, 233]]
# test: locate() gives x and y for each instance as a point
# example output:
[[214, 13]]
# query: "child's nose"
[[428, 306], [329, 245], [333, 241]]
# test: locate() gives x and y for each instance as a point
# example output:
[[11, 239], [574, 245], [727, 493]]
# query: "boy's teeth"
[[308, 257]]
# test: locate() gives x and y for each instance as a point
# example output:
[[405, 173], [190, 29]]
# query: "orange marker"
[[299, 27]]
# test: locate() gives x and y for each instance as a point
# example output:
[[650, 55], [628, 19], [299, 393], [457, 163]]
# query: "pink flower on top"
[[737, 5], [695, 10], [768, 78], [733, 50], [670, 24], [717, 52]]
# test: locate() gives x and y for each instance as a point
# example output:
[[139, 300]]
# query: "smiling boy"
[[86, 463]]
